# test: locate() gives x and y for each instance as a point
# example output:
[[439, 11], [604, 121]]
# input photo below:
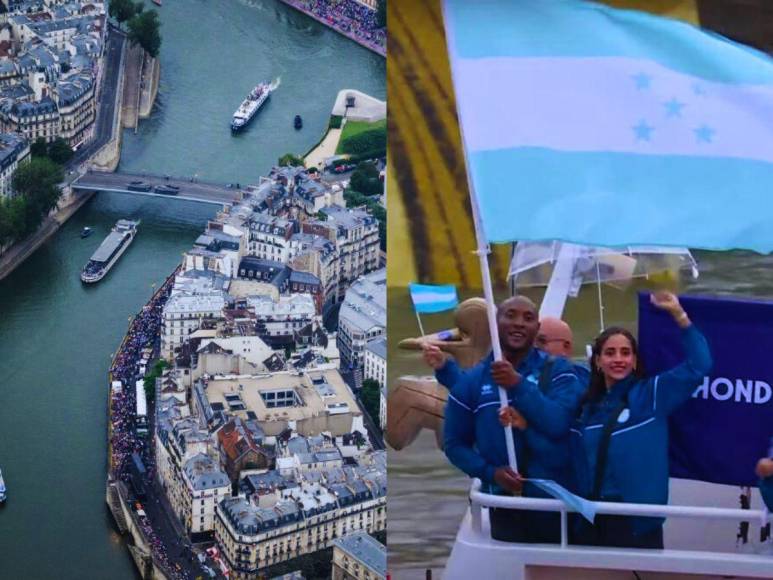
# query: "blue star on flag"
[[642, 81], [643, 131], [704, 134], [673, 108]]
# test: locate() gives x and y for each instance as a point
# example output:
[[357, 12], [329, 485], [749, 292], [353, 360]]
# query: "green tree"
[[149, 382], [144, 30], [381, 14], [38, 182], [122, 10], [12, 226], [371, 399], [290, 159], [60, 151], [365, 179], [39, 148]]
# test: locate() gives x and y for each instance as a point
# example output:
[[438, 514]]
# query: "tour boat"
[[108, 252]]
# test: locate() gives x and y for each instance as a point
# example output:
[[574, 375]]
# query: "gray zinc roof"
[[203, 473], [366, 549]]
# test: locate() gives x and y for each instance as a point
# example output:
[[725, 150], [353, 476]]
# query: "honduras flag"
[[609, 127], [428, 299]]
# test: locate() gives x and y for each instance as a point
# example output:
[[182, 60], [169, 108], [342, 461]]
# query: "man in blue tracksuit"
[[545, 391]]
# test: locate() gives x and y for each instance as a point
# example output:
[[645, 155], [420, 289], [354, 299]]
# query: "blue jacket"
[[451, 372], [475, 440], [766, 490], [637, 461]]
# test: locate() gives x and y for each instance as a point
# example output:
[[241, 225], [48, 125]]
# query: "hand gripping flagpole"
[[482, 251]]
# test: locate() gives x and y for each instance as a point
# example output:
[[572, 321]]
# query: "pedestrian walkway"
[[326, 148]]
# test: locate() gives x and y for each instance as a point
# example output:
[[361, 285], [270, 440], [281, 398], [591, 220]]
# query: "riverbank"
[[300, 6], [141, 76], [20, 251], [149, 544], [366, 109]]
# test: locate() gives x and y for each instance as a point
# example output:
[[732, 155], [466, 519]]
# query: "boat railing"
[[480, 500]]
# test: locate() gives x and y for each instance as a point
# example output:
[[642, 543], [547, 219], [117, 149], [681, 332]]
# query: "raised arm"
[[674, 387]]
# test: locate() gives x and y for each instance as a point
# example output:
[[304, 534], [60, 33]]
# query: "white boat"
[[3, 493], [109, 251], [251, 105], [476, 555]]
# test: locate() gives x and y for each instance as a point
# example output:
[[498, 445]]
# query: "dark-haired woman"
[[620, 441]]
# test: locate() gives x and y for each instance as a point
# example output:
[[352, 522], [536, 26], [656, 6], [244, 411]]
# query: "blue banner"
[[721, 432]]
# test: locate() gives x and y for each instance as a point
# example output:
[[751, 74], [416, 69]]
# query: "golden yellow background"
[[430, 231]]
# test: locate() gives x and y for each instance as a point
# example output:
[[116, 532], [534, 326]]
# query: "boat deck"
[[476, 555]]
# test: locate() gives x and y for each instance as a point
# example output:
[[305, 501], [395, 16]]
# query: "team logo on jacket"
[[624, 415], [486, 390]]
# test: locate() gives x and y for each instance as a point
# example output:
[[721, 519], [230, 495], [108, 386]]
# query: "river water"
[[57, 336], [428, 496]]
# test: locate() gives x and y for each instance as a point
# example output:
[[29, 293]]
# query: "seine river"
[[57, 336]]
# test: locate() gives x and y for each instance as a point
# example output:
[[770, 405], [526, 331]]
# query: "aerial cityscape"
[[210, 282]]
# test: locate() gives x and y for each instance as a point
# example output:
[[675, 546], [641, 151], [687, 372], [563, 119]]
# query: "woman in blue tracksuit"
[[620, 441]]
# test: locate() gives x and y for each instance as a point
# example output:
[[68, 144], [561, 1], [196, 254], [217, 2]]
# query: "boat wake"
[[275, 84]]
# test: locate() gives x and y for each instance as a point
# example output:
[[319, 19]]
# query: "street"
[[103, 125]]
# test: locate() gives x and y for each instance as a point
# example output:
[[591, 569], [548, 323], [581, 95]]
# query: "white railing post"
[[564, 528], [477, 517]]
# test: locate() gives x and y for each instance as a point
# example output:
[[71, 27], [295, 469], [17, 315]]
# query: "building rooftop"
[[365, 304], [203, 473], [378, 346], [74, 87], [284, 396], [348, 218], [191, 303], [287, 306], [365, 549]]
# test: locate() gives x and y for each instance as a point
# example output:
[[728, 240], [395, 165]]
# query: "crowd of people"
[[142, 335], [348, 17]]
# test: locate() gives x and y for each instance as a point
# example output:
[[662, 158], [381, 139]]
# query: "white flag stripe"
[[610, 105], [430, 297]]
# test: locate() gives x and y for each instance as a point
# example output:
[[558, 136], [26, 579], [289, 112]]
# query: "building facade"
[[358, 557], [362, 318]]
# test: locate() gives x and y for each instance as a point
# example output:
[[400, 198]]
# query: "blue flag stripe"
[[623, 199], [573, 28]]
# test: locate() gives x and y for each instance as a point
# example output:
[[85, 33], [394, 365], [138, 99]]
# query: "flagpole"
[[418, 319], [482, 252]]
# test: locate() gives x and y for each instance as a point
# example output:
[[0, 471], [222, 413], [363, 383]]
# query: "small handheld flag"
[[429, 298]]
